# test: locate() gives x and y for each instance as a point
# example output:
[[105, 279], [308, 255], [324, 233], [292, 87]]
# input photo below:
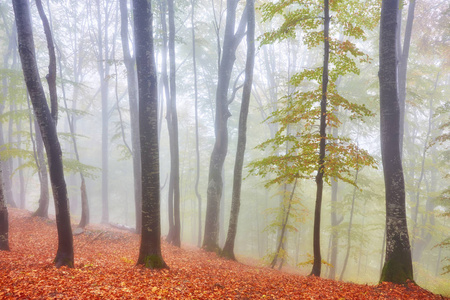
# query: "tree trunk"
[[103, 71], [349, 229], [334, 238], [398, 265], [64, 255], [85, 216], [6, 165], [166, 93], [134, 115], [317, 265], [197, 150], [172, 123], [215, 180], [150, 248], [42, 210], [22, 199], [228, 249], [4, 224], [283, 229], [51, 76], [403, 64]]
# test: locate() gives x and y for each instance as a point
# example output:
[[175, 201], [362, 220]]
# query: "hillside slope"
[[105, 269]]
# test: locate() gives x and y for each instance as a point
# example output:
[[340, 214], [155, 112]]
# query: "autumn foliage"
[[105, 269]]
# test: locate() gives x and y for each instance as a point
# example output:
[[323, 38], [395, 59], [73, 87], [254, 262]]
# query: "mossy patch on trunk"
[[397, 270], [153, 261]]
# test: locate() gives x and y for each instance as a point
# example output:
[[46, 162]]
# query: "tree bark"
[[172, 123], [4, 224], [215, 180], [42, 210], [403, 64], [349, 229], [6, 165], [150, 248], [64, 255], [334, 238], [51, 76], [398, 265], [85, 216], [103, 71], [228, 249], [317, 265], [197, 148], [134, 114]]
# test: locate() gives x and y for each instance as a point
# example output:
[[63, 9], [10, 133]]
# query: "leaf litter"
[[105, 268]]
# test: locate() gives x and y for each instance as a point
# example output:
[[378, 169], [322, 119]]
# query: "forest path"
[[105, 269]]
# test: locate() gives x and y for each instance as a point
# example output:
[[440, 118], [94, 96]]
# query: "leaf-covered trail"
[[105, 269]]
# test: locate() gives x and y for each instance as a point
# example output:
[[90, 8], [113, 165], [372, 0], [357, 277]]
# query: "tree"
[[398, 264], [197, 150], [228, 249], [4, 224], [134, 114], [5, 165], [64, 254], [317, 154], [150, 248], [172, 124], [231, 41], [322, 131], [42, 210], [403, 54], [103, 68]]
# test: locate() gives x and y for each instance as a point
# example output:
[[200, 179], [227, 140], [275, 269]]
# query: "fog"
[[425, 153]]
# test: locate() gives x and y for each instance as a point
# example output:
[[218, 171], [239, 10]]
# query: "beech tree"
[[64, 254], [315, 154], [228, 249], [172, 124], [4, 224], [232, 38], [398, 263], [130, 62], [197, 150], [150, 249]]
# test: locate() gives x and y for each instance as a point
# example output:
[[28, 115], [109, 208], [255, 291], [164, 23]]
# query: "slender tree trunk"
[[22, 199], [228, 249], [419, 241], [51, 76], [166, 92], [42, 210], [172, 120], [349, 229], [403, 64], [197, 150], [398, 265], [232, 39], [150, 248], [6, 165], [64, 255], [134, 117], [334, 238], [51, 81], [317, 265], [85, 216], [4, 224], [103, 71], [283, 229]]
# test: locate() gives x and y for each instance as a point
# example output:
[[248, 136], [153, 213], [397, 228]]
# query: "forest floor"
[[105, 268]]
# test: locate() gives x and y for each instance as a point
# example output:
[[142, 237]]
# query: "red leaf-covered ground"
[[105, 269]]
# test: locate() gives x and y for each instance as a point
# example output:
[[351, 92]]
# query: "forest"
[[279, 149]]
